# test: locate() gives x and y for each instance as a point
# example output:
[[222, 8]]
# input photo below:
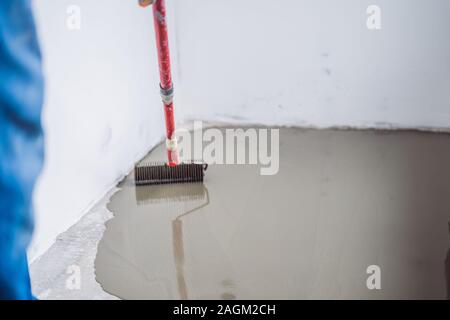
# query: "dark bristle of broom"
[[154, 174]]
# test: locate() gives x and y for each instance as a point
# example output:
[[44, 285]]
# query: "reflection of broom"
[[172, 193], [174, 171], [178, 248], [176, 194]]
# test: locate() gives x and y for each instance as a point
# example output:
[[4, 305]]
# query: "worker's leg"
[[21, 142]]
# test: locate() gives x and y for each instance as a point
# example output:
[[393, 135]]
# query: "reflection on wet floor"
[[342, 201], [179, 193]]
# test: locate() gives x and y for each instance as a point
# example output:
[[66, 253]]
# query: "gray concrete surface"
[[54, 274], [343, 201]]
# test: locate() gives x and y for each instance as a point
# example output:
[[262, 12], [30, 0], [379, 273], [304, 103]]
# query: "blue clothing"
[[21, 142]]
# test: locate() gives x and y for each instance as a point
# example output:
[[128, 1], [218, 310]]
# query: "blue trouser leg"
[[21, 142]]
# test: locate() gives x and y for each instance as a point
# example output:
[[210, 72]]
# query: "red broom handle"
[[162, 42]]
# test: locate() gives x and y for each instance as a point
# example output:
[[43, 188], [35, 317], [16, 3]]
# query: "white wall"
[[102, 109], [297, 62], [314, 62]]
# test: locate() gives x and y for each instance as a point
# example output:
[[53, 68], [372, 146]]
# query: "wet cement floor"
[[342, 201]]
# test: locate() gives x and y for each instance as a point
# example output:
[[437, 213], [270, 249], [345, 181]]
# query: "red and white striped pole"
[[166, 84]]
